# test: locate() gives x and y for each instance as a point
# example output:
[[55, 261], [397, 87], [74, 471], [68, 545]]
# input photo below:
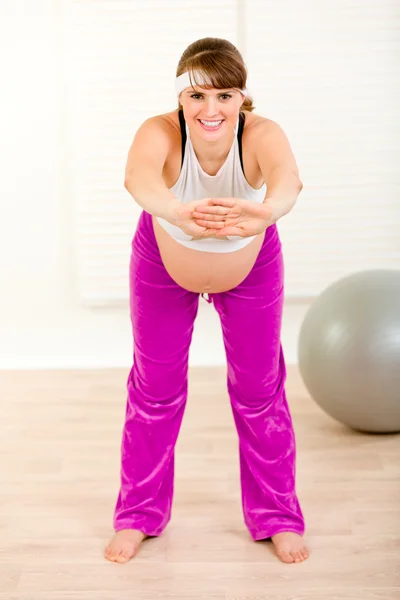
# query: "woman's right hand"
[[183, 218]]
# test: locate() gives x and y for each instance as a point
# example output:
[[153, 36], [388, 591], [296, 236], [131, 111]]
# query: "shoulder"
[[160, 127], [269, 141], [259, 128], [166, 122], [271, 147]]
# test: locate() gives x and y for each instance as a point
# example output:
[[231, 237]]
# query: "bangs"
[[217, 70]]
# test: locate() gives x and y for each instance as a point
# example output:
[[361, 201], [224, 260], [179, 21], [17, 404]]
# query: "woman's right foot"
[[124, 545]]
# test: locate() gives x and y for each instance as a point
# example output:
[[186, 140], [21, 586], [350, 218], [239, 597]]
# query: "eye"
[[224, 96]]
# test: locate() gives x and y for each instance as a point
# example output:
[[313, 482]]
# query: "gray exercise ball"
[[349, 351]]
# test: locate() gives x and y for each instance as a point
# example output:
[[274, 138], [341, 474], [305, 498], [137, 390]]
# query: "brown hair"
[[219, 61]]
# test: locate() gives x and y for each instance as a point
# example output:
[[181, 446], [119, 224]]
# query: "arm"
[[279, 169], [143, 172]]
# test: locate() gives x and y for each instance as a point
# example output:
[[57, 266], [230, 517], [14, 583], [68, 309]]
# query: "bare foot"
[[124, 545], [290, 547]]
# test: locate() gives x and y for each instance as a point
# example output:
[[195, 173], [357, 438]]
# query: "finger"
[[216, 224], [202, 202], [231, 218], [210, 224], [212, 210], [206, 217], [229, 202]]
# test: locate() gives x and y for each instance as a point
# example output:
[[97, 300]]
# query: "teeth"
[[211, 123]]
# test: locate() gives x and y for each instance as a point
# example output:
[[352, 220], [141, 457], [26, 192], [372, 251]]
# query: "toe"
[[112, 556], [111, 553], [285, 556], [120, 559], [128, 554], [295, 556], [125, 554]]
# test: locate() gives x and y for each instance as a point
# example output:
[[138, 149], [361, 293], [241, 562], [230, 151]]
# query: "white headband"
[[183, 82]]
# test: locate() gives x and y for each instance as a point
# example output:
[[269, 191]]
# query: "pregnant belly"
[[201, 272]]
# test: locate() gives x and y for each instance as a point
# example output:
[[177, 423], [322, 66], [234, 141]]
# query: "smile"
[[210, 125]]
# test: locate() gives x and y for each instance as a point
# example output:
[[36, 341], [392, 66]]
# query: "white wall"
[[324, 71], [42, 324]]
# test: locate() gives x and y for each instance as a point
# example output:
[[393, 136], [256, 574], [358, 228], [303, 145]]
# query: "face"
[[211, 113]]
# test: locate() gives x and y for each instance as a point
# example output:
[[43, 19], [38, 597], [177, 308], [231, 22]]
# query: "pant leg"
[[251, 316], [162, 315]]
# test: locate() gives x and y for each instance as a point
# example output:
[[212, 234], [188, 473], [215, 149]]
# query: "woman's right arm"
[[144, 167]]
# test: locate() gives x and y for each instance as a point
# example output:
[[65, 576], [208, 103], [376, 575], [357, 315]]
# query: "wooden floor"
[[59, 463]]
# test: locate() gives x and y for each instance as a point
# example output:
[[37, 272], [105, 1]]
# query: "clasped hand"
[[221, 217]]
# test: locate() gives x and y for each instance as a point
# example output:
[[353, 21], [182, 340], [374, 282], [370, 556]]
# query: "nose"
[[211, 107]]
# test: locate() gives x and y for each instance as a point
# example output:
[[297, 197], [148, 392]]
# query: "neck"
[[212, 151]]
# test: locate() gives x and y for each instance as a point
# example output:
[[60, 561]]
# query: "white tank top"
[[194, 184]]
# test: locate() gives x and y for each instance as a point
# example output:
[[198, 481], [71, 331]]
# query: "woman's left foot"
[[290, 547]]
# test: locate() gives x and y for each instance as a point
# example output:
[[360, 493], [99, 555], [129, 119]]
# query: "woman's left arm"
[[278, 167]]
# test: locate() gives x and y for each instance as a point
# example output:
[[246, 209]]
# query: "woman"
[[212, 179]]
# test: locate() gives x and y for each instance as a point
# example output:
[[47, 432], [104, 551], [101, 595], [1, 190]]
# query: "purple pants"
[[163, 315]]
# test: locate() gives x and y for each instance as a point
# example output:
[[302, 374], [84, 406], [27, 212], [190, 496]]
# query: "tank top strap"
[[239, 136], [182, 124]]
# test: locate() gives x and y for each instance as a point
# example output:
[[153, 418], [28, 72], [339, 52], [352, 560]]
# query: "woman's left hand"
[[239, 217]]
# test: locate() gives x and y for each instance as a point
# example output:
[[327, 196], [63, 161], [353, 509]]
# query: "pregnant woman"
[[212, 178]]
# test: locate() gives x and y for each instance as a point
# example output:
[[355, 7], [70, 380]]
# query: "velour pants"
[[163, 315]]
